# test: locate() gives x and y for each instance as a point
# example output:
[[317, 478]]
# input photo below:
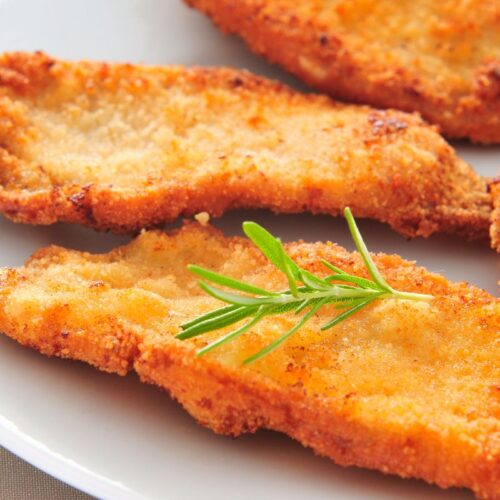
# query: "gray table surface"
[[21, 481]]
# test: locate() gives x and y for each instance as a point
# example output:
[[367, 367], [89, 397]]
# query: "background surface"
[[20, 480], [112, 436]]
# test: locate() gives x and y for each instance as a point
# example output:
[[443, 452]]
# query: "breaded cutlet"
[[121, 147], [407, 388], [495, 216], [440, 58]]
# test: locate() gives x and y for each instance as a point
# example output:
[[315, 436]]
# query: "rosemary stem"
[[411, 296], [345, 293]]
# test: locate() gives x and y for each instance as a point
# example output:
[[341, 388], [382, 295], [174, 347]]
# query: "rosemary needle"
[[306, 292]]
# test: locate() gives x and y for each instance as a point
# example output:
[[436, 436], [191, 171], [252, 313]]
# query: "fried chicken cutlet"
[[441, 59], [408, 388], [495, 216], [122, 147]]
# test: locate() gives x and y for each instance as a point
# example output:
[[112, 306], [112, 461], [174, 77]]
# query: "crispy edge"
[[494, 187], [125, 212], [129, 210], [233, 401], [289, 40]]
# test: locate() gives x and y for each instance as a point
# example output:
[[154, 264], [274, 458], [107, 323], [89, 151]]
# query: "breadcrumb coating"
[[121, 147], [440, 58], [495, 216], [408, 388]]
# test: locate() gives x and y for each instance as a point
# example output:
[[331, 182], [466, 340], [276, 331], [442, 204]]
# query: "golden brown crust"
[[441, 59], [495, 215], [405, 388], [122, 147]]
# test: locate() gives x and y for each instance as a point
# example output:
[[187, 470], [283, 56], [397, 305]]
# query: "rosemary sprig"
[[306, 291]]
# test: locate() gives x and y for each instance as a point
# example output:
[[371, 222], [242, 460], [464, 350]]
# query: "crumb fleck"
[[203, 218]]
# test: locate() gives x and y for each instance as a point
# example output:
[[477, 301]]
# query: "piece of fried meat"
[[122, 147], [441, 58], [495, 216], [408, 388]]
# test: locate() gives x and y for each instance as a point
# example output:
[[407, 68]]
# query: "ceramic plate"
[[114, 437]]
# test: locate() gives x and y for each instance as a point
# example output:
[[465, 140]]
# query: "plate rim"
[[60, 467]]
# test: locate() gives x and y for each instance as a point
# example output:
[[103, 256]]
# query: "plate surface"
[[114, 437]]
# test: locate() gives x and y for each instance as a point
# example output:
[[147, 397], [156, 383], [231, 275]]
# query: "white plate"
[[114, 437]]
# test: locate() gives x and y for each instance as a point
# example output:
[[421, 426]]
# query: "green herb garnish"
[[306, 292]]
